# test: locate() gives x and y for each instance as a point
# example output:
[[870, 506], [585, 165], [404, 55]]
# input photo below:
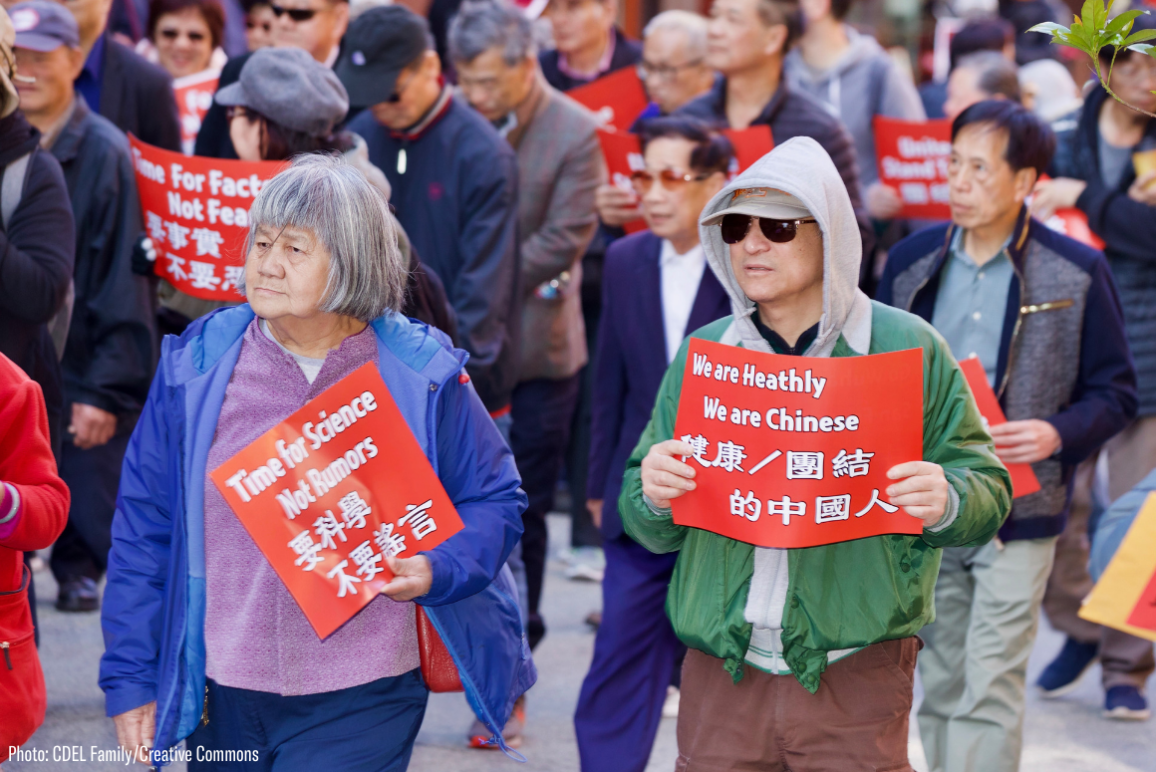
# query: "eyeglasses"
[[663, 71], [736, 226], [296, 14], [237, 111], [395, 97], [643, 180], [173, 34]]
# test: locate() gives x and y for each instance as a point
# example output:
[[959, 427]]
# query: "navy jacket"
[[137, 96], [1063, 356], [1127, 227], [626, 53], [631, 359], [458, 202]]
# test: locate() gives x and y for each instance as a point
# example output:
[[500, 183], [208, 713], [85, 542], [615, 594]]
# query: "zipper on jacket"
[[205, 710], [7, 658], [1011, 348]]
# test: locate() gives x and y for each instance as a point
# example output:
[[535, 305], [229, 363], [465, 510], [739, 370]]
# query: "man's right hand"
[[616, 206], [136, 730], [594, 507], [664, 475]]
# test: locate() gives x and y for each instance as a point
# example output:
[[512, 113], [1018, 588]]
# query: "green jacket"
[[840, 596]]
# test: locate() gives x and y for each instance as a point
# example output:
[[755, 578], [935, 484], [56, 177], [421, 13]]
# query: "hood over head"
[[801, 169]]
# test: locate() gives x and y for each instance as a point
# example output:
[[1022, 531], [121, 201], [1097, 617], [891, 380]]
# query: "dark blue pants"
[[367, 728], [542, 409], [621, 700]]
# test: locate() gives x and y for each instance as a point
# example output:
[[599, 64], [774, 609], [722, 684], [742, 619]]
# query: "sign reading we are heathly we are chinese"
[[794, 452], [196, 211], [332, 491]]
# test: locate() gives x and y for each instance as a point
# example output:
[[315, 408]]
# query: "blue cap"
[[42, 25]]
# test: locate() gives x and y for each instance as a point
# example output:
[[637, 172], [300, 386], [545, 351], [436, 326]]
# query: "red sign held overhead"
[[750, 145], [196, 211], [333, 490], [194, 98], [913, 158], [1024, 480], [616, 99], [794, 452]]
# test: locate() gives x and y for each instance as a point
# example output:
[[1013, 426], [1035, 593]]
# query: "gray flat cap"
[[290, 88]]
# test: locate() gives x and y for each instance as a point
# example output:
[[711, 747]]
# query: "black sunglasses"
[[736, 226], [296, 14], [172, 34]]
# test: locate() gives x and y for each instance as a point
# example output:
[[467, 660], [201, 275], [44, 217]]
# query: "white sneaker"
[[670, 704], [585, 564]]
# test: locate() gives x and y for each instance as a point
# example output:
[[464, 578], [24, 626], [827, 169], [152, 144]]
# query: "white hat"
[[762, 202]]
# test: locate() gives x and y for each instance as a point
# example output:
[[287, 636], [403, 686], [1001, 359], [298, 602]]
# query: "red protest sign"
[[794, 452], [1144, 612], [1024, 480], [616, 99], [913, 158], [196, 211], [349, 451], [750, 145], [623, 153], [194, 95]]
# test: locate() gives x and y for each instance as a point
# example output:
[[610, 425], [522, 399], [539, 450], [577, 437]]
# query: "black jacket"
[[213, 139], [1127, 227], [791, 113], [35, 261], [138, 97], [626, 53], [108, 360]]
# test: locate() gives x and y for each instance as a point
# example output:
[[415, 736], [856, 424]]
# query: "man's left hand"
[[412, 578], [1025, 442], [921, 490]]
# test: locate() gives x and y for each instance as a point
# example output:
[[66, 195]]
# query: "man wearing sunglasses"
[[806, 657], [1040, 312]]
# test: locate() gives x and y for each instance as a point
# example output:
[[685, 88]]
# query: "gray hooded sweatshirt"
[[864, 83], [802, 168]]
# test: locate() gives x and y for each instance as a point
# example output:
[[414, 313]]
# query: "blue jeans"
[[367, 728]]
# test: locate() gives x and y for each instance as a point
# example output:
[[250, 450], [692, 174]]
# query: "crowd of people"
[[446, 214]]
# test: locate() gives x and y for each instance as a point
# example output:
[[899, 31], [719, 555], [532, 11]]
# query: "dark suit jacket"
[[138, 97], [631, 359]]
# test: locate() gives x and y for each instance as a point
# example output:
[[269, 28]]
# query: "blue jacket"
[[631, 359], [154, 605], [1113, 525], [1063, 355]]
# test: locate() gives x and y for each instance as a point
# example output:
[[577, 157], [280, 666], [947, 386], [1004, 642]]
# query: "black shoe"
[[1065, 671], [535, 630], [78, 595]]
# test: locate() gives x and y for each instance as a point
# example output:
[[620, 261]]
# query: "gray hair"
[[328, 197], [693, 24], [480, 26], [995, 74]]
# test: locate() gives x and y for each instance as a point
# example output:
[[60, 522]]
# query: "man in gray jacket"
[[559, 166], [108, 357]]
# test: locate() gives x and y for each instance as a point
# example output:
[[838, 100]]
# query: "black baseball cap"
[[379, 44]]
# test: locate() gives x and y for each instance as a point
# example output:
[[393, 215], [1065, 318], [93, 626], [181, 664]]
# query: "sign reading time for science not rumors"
[[794, 452]]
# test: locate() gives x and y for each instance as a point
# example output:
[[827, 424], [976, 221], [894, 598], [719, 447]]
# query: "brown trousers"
[[856, 722], [1125, 659]]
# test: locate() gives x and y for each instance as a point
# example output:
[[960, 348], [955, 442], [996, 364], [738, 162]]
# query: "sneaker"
[[585, 564], [1065, 671], [78, 595], [481, 738], [1126, 703], [594, 619], [670, 704]]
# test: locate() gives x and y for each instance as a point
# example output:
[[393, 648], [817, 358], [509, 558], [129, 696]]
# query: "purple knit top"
[[256, 636]]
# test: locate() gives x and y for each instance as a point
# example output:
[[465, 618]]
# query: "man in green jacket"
[[842, 618]]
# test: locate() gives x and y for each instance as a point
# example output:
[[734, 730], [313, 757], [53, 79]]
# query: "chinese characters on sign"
[[196, 211], [795, 452], [332, 491]]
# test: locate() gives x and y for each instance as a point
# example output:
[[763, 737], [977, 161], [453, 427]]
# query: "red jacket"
[[27, 464]]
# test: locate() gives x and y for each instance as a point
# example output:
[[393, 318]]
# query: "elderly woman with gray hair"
[[203, 640]]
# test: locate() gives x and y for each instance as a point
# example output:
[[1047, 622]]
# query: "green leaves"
[[1092, 30]]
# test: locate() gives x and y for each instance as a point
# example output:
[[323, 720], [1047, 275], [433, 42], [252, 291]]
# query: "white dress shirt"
[[681, 275]]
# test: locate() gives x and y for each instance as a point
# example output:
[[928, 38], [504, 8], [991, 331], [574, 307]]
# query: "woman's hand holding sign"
[[921, 490], [664, 475], [412, 578]]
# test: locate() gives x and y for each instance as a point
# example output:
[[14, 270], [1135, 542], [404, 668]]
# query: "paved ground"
[[1061, 736]]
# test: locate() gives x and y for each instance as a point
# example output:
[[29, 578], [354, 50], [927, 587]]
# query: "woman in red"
[[33, 510]]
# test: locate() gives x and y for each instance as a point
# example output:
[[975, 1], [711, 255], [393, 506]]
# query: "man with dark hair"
[[120, 85], [990, 34], [852, 74], [1094, 171], [454, 181], [587, 43], [979, 77], [747, 42], [656, 290], [1040, 312]]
